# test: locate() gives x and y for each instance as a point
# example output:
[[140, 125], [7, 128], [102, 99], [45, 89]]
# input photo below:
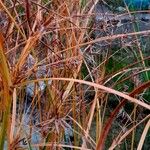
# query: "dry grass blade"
[[141, 142], [90, 118], [118, 142], [4, 70], [27, 49], [109, 90], [68, 88], [13, 122], [59, 145]]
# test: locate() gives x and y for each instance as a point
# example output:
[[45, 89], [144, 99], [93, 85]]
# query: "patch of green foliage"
[[84, 70], [113, 65], [115, 3]]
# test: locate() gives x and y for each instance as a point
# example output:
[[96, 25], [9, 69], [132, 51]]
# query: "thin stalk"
[[133, 132]]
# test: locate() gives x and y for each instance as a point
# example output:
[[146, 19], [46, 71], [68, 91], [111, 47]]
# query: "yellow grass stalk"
[[7, 92]]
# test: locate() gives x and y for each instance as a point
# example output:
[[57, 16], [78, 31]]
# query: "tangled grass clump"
[[44, 48]]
